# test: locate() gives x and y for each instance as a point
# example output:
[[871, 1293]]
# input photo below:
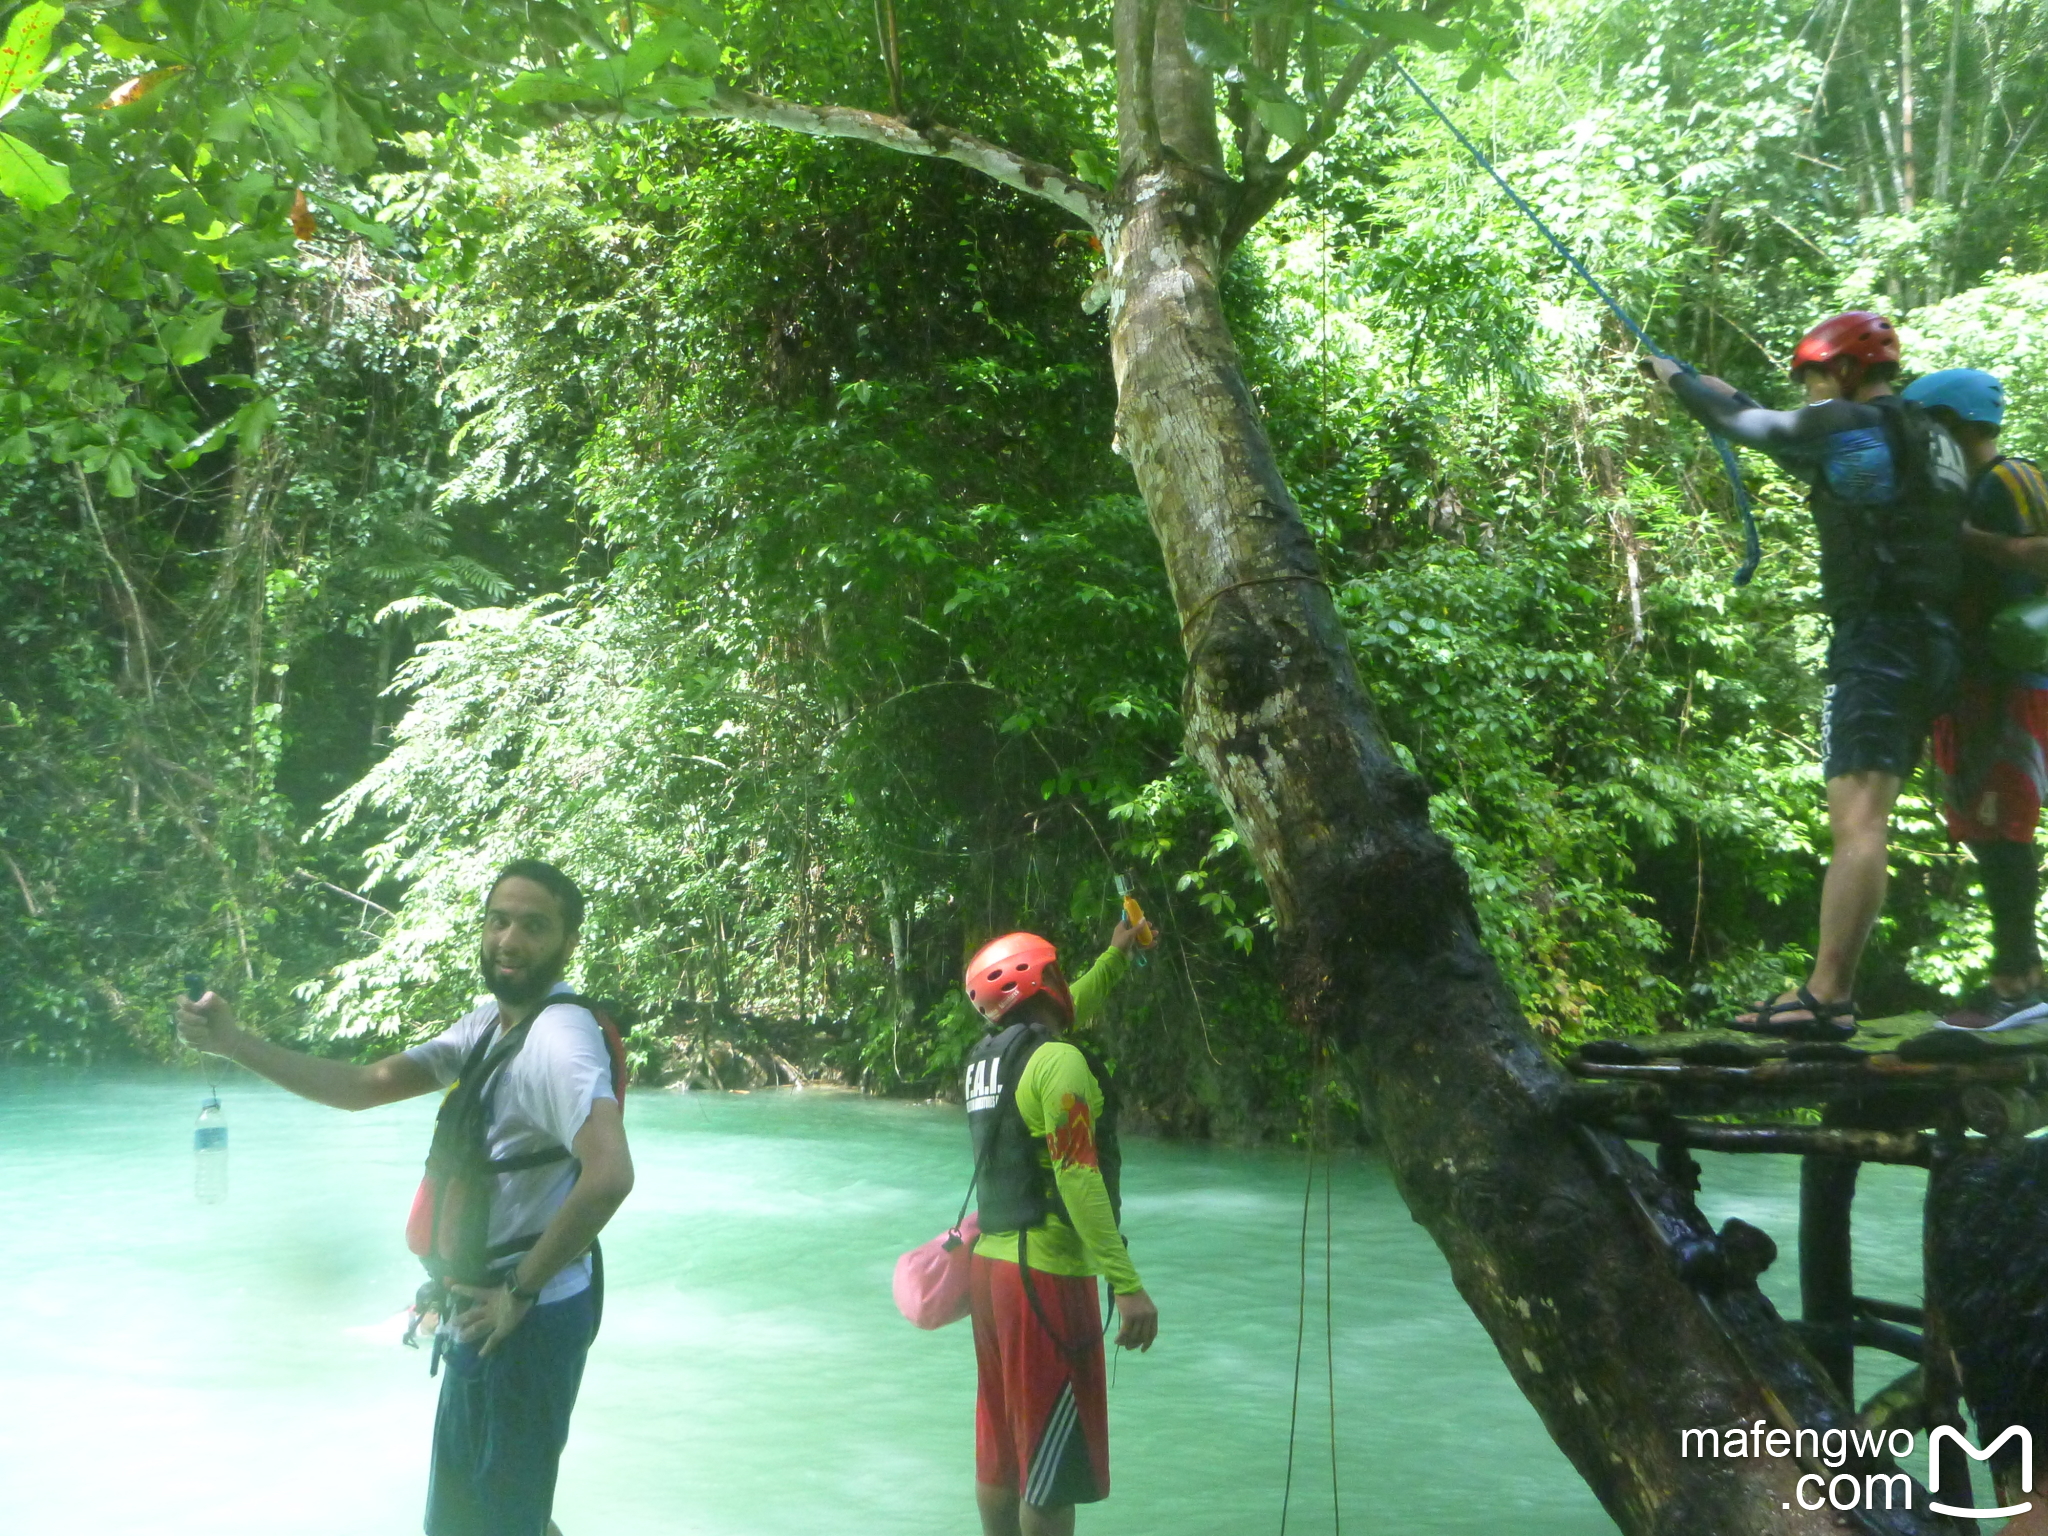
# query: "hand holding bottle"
[[207, 1023], [1133, 927]]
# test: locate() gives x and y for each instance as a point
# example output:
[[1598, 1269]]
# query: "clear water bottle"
[[210, 1154]]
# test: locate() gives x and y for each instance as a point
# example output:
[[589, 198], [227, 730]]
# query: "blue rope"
[[1752, 551]]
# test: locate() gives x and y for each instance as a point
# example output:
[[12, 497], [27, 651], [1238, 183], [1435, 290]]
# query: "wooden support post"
[[1827, 1290], [1940, 1378]]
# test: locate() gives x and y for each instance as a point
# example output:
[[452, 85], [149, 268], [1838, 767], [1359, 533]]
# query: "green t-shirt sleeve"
[[1090, 990], [1061, 1101]]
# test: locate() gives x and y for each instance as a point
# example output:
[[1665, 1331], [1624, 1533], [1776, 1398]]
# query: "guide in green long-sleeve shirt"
[[1041, 1118], [1061, 1103]]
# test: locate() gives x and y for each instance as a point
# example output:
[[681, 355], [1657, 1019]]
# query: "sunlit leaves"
[[134, 89], [27, 175], [1093, 166], [1404, 27], [189, 337], [1285, 119], [24, 50], [30, 177]]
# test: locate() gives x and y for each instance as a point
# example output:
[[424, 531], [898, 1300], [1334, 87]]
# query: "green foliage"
[[753, 500], [1622, 747], [884, 662], [199, 664], [2001, 326]]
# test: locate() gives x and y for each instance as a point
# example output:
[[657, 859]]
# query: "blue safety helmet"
[[1971, 393]]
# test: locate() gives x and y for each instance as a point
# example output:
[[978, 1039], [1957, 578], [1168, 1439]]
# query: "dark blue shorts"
[[1889, 675], [502, 1423]]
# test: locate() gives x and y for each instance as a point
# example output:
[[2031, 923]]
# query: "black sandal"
[[1827, 1021]]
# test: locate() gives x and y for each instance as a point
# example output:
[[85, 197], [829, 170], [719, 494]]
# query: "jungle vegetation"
[[396, 485], [682, 441]]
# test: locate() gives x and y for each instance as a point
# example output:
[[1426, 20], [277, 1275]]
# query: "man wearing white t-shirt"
[[512, 1379]]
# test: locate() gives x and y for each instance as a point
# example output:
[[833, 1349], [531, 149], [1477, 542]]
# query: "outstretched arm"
[[209, 1025], [1720, 407]]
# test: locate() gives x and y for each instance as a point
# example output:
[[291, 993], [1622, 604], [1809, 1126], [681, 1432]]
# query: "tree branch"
[[2019, 144], [22, 880], [1267, 181], [1085, 201], [134, 620], [1137, 113]]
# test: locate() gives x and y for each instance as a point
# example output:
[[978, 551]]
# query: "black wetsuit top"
[[1841, 440], [1886, 491]]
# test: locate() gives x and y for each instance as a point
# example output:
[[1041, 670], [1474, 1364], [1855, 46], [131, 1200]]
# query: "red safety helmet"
[[1859, 338], [1006, 971]]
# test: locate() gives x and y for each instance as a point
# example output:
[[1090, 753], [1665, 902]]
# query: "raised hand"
[[208, 1024]]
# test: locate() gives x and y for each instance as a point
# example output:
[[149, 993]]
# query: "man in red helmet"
[[1041, 1109], [1887, 488]]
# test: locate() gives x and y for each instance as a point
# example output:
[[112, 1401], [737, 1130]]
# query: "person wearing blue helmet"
[[1992, 748]]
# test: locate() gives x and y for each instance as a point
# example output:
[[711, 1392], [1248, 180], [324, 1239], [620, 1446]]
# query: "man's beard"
[[530, 988]]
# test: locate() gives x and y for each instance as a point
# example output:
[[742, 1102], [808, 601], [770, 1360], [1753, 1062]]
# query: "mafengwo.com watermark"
[[1846, 1490]]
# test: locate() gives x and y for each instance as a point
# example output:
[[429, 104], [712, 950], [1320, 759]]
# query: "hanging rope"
[[1300, 1336], [1318, 1141], [1319, 1085], [1752, 550], [1330, 1320]]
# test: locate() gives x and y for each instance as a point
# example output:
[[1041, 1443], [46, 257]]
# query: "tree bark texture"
[[1571, 1250]]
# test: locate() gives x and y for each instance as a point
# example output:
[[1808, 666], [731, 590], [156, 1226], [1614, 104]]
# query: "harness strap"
[[1073, 1352], [2023, 482], [526, 1160]]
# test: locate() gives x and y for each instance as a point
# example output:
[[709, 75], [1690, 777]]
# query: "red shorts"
[[1992, 751], [1041, 1419]]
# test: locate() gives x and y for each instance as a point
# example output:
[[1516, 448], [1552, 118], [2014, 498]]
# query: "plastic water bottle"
[[210, 1154]]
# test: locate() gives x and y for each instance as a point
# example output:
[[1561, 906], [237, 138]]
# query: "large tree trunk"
[[1568, 1247], [1619, 1314]]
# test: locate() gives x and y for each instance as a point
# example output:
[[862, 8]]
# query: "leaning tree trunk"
[[1618, 1313], [1567, 1246]]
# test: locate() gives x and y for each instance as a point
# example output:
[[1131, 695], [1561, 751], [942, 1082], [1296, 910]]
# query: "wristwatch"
[[518, 1293]]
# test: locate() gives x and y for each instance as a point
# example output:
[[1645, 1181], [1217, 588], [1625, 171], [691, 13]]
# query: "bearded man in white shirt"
[[547, 1098]]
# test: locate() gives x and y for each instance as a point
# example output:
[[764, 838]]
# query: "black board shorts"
[[1889, 674], [502, 1423]]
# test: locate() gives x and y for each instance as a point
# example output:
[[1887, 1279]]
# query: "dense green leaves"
[[736, 518], [24, 49], [28, 177]]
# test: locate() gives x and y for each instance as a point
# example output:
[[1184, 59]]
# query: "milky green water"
[[175, 1368]]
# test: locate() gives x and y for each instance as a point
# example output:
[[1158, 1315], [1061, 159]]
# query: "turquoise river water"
[[179, 1369]]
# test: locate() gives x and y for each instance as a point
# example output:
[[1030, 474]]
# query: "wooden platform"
[[1880, 1092], [1900, 1090]]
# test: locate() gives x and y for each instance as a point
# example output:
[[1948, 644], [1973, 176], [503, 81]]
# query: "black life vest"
[[449, 1228], [1906, 551], [1017, 1188]]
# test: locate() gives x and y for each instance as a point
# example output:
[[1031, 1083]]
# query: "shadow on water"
[[179, 1368]]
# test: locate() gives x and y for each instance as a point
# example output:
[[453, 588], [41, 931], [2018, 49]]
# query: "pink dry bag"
[[931, 1279]]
